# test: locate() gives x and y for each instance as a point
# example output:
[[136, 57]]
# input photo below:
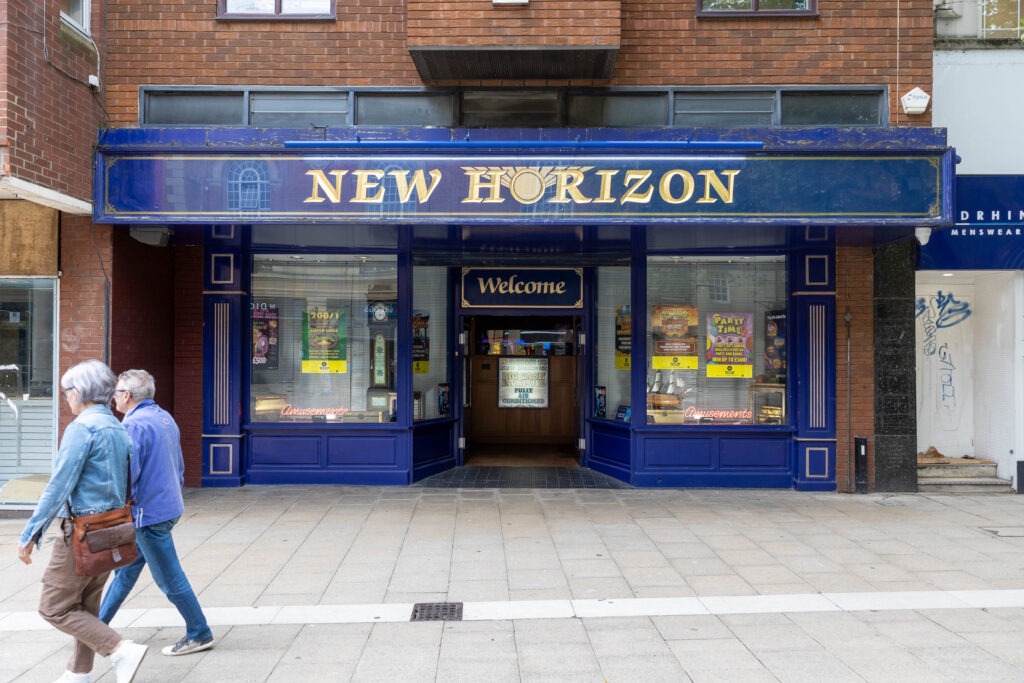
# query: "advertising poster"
[[264, 335], [674, 336], [623, 338], [775, 346], [730, 345], [522, 382], [420, 343], [323, 341]]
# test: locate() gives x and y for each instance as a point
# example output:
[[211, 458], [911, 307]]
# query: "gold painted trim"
[[807, 270], [213, 268]]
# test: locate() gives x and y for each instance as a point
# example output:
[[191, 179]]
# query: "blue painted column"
[[813, 369], [224, 296]]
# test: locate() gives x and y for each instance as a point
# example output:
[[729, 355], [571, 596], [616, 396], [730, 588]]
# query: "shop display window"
[[430, 381], [324, 333], [27, 353], [613, 345], [716, 340]]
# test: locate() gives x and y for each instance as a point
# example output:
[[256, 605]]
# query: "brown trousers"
[[70, 604]]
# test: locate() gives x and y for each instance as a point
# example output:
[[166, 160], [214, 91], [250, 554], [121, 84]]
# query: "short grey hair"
[[139, 383], [93, 381]]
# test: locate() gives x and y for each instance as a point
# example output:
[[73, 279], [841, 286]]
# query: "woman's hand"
[[25, 553]]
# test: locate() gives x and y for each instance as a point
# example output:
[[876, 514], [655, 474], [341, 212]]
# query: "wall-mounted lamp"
[[915, 102], [923, 235], [155, 237], [946, 11]]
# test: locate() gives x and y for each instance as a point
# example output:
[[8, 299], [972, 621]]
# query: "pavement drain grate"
[[437, 611]]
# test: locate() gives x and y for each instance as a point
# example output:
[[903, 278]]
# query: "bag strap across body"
[[127, 489]]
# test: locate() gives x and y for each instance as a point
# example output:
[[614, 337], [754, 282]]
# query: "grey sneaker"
[[187, 646]]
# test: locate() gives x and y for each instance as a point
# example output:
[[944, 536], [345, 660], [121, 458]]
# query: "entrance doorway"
[[523, 377]]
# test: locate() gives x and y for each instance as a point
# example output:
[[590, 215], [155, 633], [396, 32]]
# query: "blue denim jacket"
[[90, 470]]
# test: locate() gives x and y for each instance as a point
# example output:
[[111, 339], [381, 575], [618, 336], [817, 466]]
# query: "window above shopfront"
[[531, 108], [275, 9]]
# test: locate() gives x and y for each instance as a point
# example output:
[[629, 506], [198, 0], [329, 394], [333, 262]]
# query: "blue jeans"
[[156, 546]]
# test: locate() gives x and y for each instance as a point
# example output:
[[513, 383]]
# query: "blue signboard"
[[601, 189], [522, 288], [989, 230]]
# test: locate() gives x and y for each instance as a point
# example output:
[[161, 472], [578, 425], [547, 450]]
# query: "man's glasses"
[[64, 392]]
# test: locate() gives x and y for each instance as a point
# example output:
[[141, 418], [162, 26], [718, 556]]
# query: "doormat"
[[521, 478], [24, 489]]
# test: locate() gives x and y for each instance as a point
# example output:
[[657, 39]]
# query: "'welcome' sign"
[[522, 288]]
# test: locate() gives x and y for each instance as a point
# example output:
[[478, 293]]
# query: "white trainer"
[[72, 677], [126, 660]]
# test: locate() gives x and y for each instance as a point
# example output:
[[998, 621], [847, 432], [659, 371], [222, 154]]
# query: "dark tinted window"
[[831, 109], [627, 109], [411, 109], [511, 109], [195, 108]]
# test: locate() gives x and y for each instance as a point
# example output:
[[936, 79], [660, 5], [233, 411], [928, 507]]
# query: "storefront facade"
[[970, 327], [659, 303]]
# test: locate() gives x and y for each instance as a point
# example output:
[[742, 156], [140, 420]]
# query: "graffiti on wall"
[[944, 339]]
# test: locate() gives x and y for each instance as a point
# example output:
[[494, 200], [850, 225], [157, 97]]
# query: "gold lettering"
[[477, 184], [711, 179], [665, 186], [418, 185], [567, 184], [366, 181], [606, 187], [320, 182], [638, 177]]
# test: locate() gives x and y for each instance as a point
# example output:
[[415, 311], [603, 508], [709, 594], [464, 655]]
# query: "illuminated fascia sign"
[[579, 189]]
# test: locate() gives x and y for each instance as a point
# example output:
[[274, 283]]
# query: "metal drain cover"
[[437, 611]]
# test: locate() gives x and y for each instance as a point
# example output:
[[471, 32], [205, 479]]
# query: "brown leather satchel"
[[106, 540]]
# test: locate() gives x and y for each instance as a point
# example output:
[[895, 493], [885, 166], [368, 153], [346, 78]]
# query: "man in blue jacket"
[[158, 473]]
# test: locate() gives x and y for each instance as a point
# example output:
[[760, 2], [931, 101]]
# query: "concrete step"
[[963, 485], [959, 468]]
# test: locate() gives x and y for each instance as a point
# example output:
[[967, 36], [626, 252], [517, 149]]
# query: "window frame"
[[755, 11], [82, 26], [223, 13]]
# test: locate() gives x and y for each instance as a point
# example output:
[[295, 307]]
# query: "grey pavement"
[[310, 583]]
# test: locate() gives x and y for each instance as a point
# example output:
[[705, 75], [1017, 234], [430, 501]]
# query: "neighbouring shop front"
[[970, 328], [658, 304]]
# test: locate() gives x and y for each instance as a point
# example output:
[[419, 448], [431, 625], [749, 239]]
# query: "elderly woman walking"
[[89, 474]]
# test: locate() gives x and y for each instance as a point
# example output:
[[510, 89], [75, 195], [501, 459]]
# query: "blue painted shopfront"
[[521, 203]]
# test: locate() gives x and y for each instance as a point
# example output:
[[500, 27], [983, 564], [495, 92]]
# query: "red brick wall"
[[855, 397], [142, 317], [178, 42], [48, 112], [549, 23], [86, 267], [188, 357]]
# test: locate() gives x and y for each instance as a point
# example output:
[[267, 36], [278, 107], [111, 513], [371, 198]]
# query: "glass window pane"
[[716, 340], [430, 381], [27, 354], [249, 6], [323, 338], [413, 109], [305, 6], [298, 109], [634, 109], [76, 10], [830, 109], [727, 5], [724, 109], [200, 108], [614, 341]]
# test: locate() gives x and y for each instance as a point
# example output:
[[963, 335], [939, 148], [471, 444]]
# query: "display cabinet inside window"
[[323, 339], [716, 334]]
